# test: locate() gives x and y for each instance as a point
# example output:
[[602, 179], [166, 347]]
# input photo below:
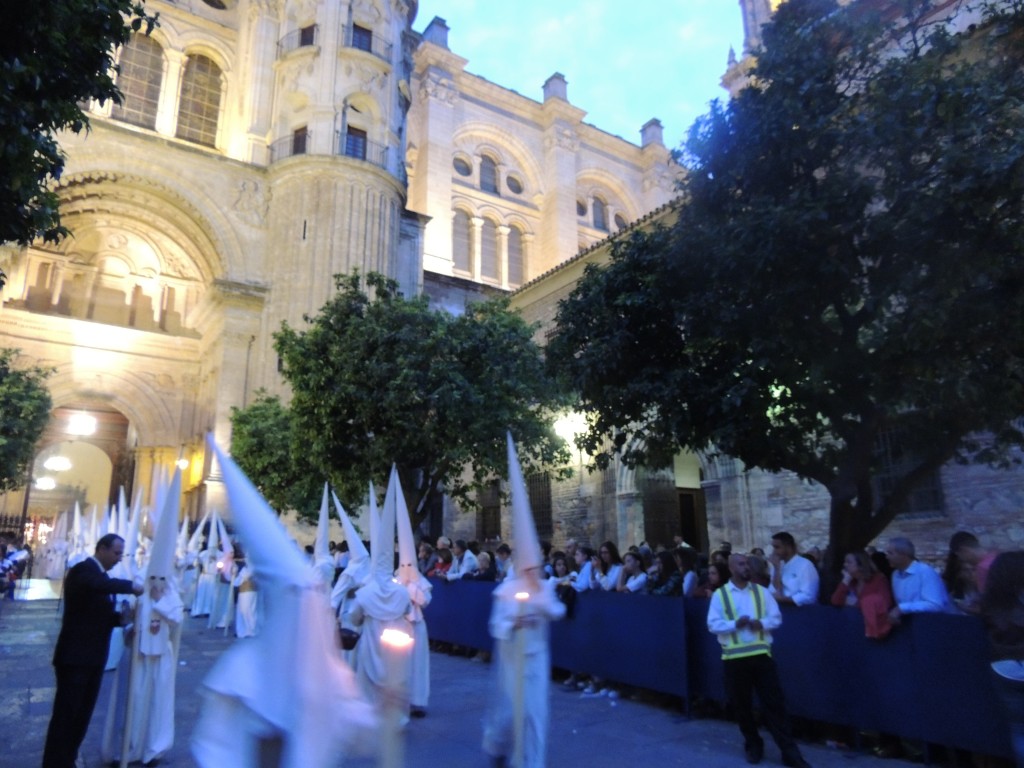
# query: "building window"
[[894, 459], [515, 186], [299, 138], [140, 73], [462, 234], [462, 167], [307, 35], [600, 214], [199, 105], [362, 38], [620, 221], [538, 488], [581, 208], [488, 175], [515, 256], [355, 143], [489, 250]]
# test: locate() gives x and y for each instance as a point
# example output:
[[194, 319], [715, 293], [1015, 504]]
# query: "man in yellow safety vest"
[[743, 616]]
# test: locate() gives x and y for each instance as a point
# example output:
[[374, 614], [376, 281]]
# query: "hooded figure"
[[202, 604], [522, 608], [283, 697], [57, 548], [154, 649], [419, 589], [355, 574], [188, 575], [381, 603], [223, 593], [323, 562]]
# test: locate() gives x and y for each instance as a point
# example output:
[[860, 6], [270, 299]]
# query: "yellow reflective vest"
[[735, 648]]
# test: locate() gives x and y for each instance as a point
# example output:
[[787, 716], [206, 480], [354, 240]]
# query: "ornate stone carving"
[[252, 203], [439, 89], [563, 138]]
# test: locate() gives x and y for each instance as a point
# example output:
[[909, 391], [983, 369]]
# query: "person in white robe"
[[354, 576], [153, 648], [382, 603], [420, 590], [283, 698], [522, 608], [245, 609]]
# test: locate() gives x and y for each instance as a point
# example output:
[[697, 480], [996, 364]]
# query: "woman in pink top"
[[863, 586]]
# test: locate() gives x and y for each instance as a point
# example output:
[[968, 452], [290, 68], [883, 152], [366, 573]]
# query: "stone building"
[[262, 147]]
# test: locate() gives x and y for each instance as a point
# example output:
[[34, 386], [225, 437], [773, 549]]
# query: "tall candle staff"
[[397, 647]]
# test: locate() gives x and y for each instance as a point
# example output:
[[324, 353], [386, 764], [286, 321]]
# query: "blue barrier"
[[928, 681]]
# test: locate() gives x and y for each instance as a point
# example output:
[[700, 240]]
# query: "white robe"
[[380, 604], [419, 674], [353, 577], [156, 658], [245, 609], [202, 604], [538, 611]]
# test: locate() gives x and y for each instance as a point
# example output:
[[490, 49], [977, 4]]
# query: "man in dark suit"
[[82, 647]]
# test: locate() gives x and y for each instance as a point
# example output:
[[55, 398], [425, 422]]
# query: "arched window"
[[140, 72], [600, 214], [515, 257], [488, 175], [461, 239], [489, 250], [199, 105]]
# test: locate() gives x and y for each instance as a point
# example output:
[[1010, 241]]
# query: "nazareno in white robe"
[[419, 673], [538, 611], [382, 603], [153, 685], [245, 609]]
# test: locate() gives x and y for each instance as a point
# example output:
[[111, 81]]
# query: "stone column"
[[476, 245], [503, 254], [167, 107]]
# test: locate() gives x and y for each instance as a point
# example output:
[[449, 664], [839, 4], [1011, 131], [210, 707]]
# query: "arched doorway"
[[84, 456]]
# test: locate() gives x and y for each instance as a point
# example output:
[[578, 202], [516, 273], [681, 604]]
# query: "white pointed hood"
[[382, 548], [161, 556], [314, 702], [356, 549], [525, 545], [323, 562], [197, 536], [408, 569]]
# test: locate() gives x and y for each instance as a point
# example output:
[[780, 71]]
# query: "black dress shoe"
[[754, 754], [796, 761], [417, 712]]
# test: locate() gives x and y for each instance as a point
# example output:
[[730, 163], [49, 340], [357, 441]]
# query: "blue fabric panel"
[[459, 611]]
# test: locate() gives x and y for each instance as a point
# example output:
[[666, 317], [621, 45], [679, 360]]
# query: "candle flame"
[[396, 638], [522, 595]]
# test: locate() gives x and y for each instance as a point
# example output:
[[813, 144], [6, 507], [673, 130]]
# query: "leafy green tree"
[[24, 412], [847, 267], [54, 57], [387, 379], [262, 443]]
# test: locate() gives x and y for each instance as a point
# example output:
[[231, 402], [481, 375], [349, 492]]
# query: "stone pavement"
[[584, 731]]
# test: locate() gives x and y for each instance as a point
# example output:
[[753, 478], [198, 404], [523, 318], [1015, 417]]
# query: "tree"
[[24, 412], [388, 379], [262, 442], [847, 267], [55, 56]]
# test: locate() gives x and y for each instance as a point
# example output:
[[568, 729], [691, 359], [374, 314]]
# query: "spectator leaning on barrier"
[[463, 561], [1002, 606], [916, 587], [794, 578], [631, 577], [503, 562], [743, 615], [864, 587]]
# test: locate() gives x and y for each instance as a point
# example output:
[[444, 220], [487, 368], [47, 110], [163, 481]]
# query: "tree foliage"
[[24, 412], [848, 264], [387, 379], [263, 445], [54, 57]]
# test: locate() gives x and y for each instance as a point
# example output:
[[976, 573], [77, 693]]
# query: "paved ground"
[[592, 732]]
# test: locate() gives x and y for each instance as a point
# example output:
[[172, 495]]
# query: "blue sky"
[[625, 62]]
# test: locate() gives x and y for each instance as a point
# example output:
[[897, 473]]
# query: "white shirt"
[[743, 604], [582, 581], [919, 589], [636, 582], [799, 581], [462, 566], [608, 581]]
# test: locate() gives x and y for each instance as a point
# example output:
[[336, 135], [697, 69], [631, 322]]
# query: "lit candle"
[[396, 646], [518, 708]]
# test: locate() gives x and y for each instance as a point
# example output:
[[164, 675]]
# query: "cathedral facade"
[[262, 147]]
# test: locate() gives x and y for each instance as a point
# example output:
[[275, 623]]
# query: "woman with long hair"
[[605, 567], [864, 587]]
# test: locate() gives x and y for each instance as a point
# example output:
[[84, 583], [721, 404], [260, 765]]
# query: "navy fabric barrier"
[[928, 681]]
